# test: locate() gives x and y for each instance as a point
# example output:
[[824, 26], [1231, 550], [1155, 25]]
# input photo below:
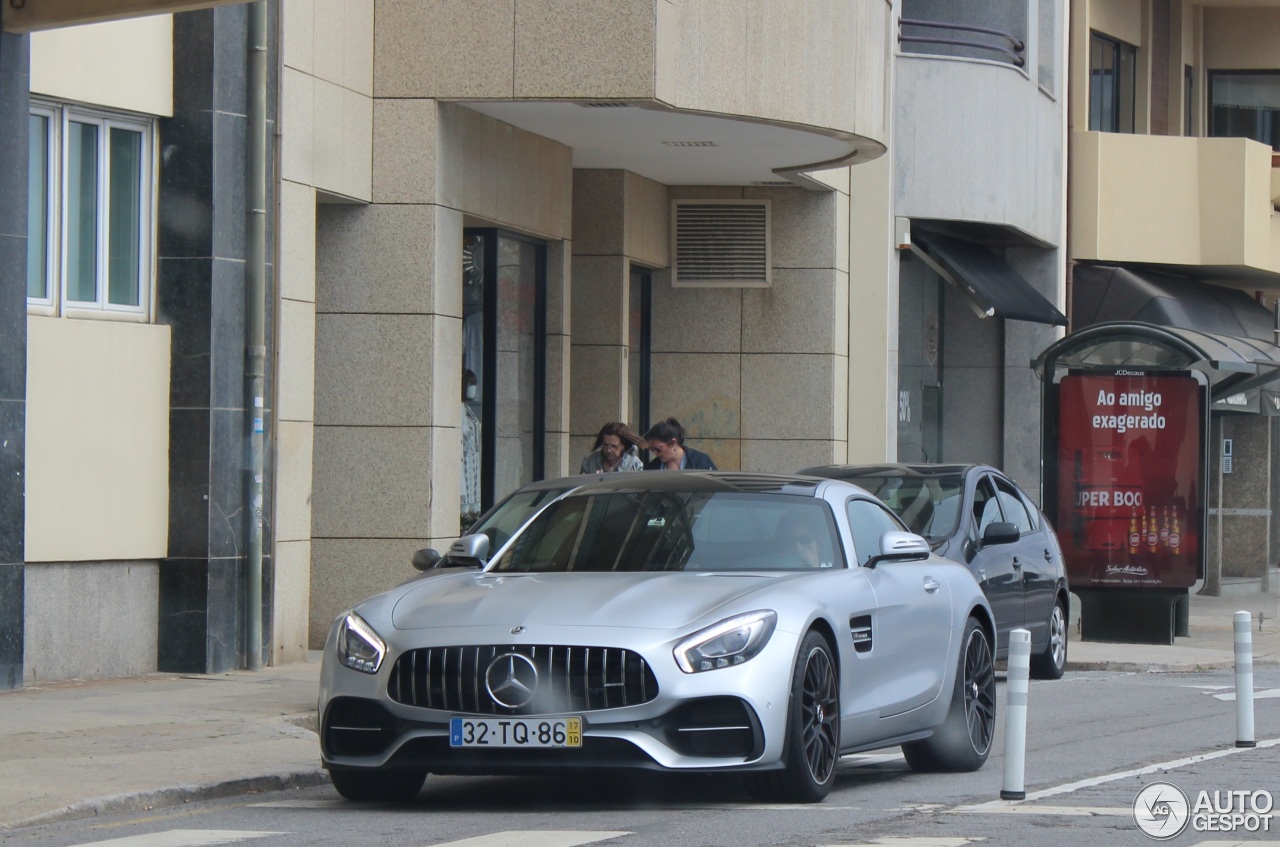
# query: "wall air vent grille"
[[720, 243]]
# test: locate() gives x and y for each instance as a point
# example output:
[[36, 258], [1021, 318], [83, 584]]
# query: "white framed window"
[[90, 224]]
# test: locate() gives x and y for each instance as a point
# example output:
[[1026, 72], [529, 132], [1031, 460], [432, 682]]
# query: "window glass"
[[39, 189], [90, 216], [986, 506], [928, 505], [869, 521], [82, 212], [1012, 506], [676, 530], [1245, 105], [1112, 84], [124, 222], [638, 324]]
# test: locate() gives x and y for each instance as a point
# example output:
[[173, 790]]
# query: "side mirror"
[[897, 546], [1000, 532], [469, 551], [426, 559]]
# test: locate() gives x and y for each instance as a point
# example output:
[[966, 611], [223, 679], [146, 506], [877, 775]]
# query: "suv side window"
[[867, 522], [1012, 506], [986, 507]]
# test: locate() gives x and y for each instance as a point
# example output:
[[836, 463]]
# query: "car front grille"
[[556, 679]]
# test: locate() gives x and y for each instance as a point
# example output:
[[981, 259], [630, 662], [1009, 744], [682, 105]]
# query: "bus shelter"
[[1127, 412]]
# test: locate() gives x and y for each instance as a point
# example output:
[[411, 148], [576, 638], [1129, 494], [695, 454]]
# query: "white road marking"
[[1032, 796], [1265, 694], [534, 838], [904, 841], [182, 838], [1067, 811]]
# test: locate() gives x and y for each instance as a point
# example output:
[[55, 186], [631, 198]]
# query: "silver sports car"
[[671, 621]]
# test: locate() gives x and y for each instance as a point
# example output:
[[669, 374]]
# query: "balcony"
[[1200, 205], [977, 141]]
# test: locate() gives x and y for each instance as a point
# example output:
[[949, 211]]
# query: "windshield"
[[501, 522], [929, 506], [676, 531]]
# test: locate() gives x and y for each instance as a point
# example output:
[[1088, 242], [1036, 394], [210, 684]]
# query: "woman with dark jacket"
[[666, 440]]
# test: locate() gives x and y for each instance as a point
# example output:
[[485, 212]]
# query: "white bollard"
[[1244, 680], [1015, 715]]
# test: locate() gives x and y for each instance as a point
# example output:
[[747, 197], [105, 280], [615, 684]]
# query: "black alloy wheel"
[[813, 728], [1052, 663], [962, 741]]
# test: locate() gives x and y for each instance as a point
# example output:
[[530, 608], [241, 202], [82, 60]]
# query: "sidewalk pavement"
[[83, 748]]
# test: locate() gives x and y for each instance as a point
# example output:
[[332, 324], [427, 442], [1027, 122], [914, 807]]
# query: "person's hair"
[[624, 433], [668, 430]]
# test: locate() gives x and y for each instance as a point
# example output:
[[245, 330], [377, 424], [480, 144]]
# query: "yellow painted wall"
[[97, 448], [122, 64], [1241, 39], [1120, 19]]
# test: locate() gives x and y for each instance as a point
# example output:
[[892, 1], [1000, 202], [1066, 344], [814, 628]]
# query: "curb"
[[1149, 667], [175, 796]]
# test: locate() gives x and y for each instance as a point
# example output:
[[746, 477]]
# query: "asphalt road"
[[1095, 739]]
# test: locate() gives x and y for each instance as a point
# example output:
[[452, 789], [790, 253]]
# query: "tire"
[[812, 745], [962, 742], [378, 786], [1052, 663]]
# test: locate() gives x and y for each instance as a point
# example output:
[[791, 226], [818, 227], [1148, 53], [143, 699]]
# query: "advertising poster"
[[1129, 477]]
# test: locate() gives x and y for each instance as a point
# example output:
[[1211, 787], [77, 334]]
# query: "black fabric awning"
[[1223, 331], [993, 286], [1102, 293]]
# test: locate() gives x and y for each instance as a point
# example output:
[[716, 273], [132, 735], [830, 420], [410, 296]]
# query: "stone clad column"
[[14, 106]]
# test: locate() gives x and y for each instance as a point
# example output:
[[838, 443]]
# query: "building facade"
[[531, 198], [1173, 200]]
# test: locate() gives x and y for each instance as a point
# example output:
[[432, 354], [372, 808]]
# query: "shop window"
[[638, 346], [89, 213], [1245, 105], [503, 366], [1112, 84]]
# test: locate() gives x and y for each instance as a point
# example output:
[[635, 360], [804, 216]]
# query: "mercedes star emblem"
[[511, 680]]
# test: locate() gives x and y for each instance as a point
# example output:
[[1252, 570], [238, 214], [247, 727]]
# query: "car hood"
[[642, 600]]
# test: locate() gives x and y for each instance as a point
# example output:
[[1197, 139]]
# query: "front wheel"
[[378, 786], [963, 741], [813, 726], [1052, 663]]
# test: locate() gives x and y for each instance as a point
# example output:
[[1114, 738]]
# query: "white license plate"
[[515, 732]]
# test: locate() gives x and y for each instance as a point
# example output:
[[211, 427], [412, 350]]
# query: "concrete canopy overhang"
[[37, 15], [677, 147], [1234, 365]]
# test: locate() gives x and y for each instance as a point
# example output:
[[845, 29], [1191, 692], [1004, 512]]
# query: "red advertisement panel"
[[1129, 479]]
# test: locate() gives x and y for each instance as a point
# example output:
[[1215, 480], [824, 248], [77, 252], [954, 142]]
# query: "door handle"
[[931, 585], [982, 574], [1017, 563], [1048, 556]]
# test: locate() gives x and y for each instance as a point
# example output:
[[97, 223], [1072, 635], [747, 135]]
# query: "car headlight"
[[728, 643], [359, 647]]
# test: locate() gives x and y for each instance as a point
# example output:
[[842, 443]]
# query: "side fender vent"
[[860, 630], [720, 244]]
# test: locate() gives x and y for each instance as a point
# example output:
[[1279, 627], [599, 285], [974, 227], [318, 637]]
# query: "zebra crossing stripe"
[[535, 838], [182, 838]]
